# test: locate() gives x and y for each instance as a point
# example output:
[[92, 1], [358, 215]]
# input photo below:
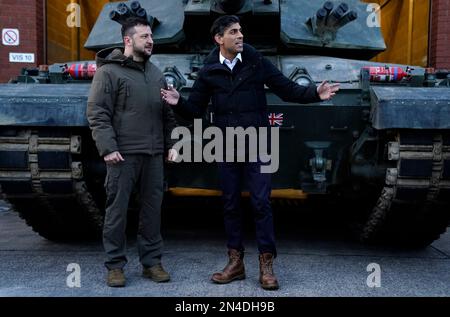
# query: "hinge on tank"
[[319, 163], [196, 65]]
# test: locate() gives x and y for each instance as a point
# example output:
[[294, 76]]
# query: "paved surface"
[[314, 260]]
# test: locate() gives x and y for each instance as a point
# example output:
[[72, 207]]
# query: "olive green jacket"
[[125, 110]]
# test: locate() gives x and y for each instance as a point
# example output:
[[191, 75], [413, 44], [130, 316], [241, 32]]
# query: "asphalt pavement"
[[314, 260]]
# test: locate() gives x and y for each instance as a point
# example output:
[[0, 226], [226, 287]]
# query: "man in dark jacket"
[[233, 77], [131, 127]]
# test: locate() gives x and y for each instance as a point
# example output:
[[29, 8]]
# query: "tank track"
[[413, 208], [43, 180]]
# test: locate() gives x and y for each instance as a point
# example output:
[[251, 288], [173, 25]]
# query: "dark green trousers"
[[146, 172]]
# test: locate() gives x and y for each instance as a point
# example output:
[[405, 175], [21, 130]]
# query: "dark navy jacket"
[[238, 96]]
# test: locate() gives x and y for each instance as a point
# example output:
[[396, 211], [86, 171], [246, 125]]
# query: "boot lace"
[[267, 267]]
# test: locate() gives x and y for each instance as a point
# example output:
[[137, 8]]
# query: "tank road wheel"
[[42, 177], [413, 208]]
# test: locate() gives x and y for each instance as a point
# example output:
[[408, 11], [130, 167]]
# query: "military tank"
[[379, 150]]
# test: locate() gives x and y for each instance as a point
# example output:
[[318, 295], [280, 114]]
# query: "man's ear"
[[127, 40], [218, 39]]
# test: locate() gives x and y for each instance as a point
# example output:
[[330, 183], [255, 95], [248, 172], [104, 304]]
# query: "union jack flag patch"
[[276, 119]]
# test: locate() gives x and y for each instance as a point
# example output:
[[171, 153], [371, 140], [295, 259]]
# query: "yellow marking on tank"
[[199, 192]]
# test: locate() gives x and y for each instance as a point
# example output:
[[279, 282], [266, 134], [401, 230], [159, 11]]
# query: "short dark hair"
[[221, 24], [129, 24]]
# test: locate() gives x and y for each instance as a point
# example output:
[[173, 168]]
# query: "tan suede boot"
[[156, 273], [116, 278]]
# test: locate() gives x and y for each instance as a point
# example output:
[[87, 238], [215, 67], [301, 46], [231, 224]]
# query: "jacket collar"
[[222, 58], [249, 55]]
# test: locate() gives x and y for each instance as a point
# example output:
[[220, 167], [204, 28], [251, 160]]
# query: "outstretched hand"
[[170, 96], [327, 91]]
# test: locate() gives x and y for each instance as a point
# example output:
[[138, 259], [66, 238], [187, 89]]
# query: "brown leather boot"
[[234, 270], [266, 276]]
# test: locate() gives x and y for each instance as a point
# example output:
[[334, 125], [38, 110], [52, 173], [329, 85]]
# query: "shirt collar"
[[222, 58]]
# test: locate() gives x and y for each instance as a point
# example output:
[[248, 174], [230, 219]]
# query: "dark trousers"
[[232, 176], [146, 172]]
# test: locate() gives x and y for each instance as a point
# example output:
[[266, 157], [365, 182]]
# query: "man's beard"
[[140, 52]]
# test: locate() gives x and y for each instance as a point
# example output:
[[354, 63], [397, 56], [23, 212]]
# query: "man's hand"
[[113, 158], [173, 155], [170, 96], [327, 91]]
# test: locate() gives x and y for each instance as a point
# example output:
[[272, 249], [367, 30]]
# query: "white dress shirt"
[[228, 63]]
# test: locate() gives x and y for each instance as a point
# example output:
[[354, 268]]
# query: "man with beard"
[[233, 78], [131, 127]]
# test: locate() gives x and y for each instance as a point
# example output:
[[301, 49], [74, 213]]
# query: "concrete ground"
[[314, 260]]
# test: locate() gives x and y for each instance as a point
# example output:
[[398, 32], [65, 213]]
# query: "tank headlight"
[[171, 81], [303, 81], [301, 76]]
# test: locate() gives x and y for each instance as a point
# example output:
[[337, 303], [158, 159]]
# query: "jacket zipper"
[[151, 113], [145, 76]]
